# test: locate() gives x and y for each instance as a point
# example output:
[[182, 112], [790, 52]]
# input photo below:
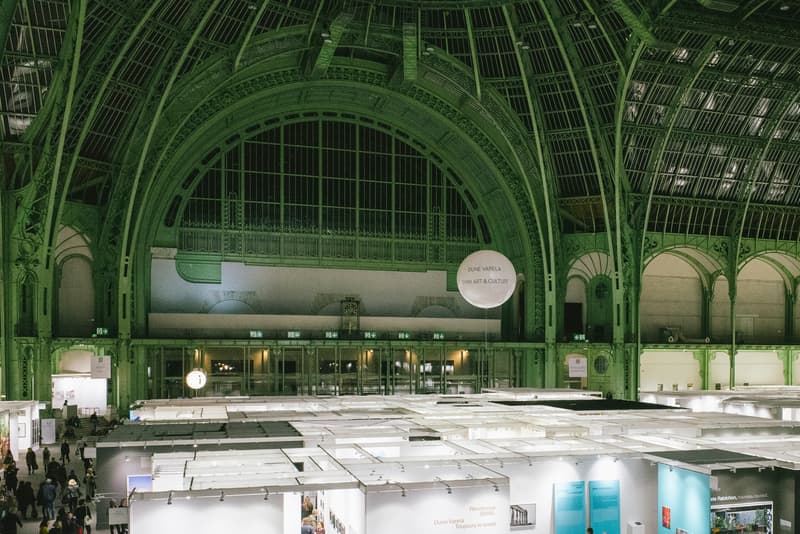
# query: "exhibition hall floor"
[[31, 526]]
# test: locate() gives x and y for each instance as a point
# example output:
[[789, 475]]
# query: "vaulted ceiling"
[[689, 109]]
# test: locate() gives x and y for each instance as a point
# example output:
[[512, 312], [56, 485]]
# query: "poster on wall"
[[523, 517], [5, 433], [101, 367], [578, 366], [604, 506], [742, 518], [569, 508]]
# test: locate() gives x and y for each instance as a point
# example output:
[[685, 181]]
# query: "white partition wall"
[[208, 515], [88, 393], [477, 509], [759, 368], [660, 370], [533, 484], [795, 368], [348, 506]]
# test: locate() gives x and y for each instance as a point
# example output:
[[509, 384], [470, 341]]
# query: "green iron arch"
[[368, 183], [490, 155], [505, 214]]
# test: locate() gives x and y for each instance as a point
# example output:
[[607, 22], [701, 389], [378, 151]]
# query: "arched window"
[[331, 188]]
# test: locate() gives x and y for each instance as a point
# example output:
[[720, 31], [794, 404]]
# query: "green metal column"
[[703, 359], [42, 372], [791, 303], [733, 337], [785, 355], [705, 311], [6, 322]]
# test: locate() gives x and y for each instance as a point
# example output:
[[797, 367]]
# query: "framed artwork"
[[22, 430], [665, 517]]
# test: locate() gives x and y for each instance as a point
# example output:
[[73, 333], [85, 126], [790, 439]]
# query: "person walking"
[[45, 457], [82, 513], [26, 498], [11, 477], [30, 461], [72, 495], [49, 494], [9, 523], [64, 452], [89, 483]]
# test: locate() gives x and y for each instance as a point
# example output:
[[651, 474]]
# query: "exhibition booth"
[[19, 427], [82, 390], [496, 462], [773, 402]]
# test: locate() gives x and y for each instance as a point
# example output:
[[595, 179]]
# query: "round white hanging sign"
[[486, 279], [196, 378]]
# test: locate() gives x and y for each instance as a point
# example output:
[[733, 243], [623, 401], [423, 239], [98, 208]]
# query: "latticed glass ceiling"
[[690, 107]]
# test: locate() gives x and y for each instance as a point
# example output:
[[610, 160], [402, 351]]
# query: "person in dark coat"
[[11, 477], [64, 452], [26, 498], [45, 457], [82, 513], [9, 522], [49, 493], [61, 475], [30, 461]]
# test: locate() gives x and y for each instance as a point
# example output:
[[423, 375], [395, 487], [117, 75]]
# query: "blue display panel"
[[604, 506], [684, 501], [569, 508]]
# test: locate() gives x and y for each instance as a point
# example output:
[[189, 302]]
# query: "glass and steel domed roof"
[[689, 109]]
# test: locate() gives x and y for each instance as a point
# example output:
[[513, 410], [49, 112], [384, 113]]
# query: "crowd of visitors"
[[311, 522], [59, 496]]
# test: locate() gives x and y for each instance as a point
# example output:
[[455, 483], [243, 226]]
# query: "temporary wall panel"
[[253, 289], [672, 297], [533, 485], [209, 515], [663, 370], [477, 510], [719, 370], [759, 368], [684, 501]]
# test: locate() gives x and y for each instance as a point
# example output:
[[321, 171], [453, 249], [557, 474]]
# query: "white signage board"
[[486, 279], [101, 367], [118, 516], [48, 427], [578, 366]]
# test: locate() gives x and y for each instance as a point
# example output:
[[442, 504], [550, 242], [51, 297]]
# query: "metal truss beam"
[[410, 51], [124, 253], [248, 34], [329, 44], [550, 210], [704, 22]]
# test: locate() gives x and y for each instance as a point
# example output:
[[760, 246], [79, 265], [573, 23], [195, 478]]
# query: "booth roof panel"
[[707, 457]]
